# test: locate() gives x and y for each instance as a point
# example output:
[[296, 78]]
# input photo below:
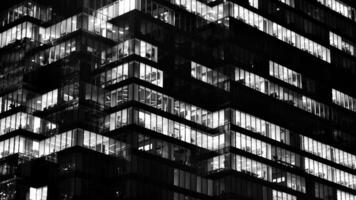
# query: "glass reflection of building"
[[177, 99]]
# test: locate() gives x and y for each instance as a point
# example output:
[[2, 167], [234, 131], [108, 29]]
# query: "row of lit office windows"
[[330, 173], [260, 126], [335, 5], [117, 96], [209, 76], [14, 99], [19, 145], [114, 75], [340, 43], [55, 52], [165, 126], [166, 103], [164, 149], [130, 47], [341, 195], [279, 32], [187, 111], [26, 8], [81, 21], [26, 122], [151, 74], [18, 32], [177, 130], [140, 70], [278, 195], [116, 8], [340, 7], [267, 87], [344, 100], [52, 98], [116, 120], [78, 137], [263, 149], [258, 170], [44, 101], [23, 97], [283, 73], [44, 35], [201, 9], [328, 152]]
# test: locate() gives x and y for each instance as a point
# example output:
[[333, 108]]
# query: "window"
[[289, 76], [344, 100], [209, 76], [151, 74], [38, 193]]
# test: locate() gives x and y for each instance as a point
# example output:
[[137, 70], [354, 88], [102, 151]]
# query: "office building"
[[177, 100]]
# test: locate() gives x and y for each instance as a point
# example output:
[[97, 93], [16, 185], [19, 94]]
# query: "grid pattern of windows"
[[26, 8], [130, 47], [21, 145], [151, 74], [83, 138], [344, 100], [44, 101], [343, 45], [280, 32], [209, 76], [341, 195], [278, 195], [116, 120], [119, 88], [19, 32], [114, 75], [174, 106], [116, 8], [164, 149], [55, 53], [25, 121], [330, 173], [268, 173], [328, 152], [117, 96], [283, 73], [339, 7], [260, 126], [284, 94], [14, 99]]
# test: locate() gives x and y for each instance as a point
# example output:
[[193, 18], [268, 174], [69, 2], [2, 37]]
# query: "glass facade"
[[177, 100]]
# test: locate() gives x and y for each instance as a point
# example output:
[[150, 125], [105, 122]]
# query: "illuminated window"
[[38, 193]]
